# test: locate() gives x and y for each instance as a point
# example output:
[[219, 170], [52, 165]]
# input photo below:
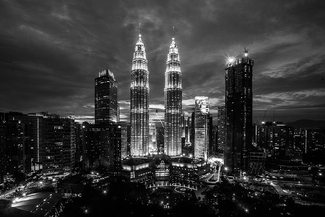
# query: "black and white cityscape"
[[162, 108]]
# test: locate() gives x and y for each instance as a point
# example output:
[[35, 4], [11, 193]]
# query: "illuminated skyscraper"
[[106, 104], [201, 119], [173, 102], [139, 97], [238, 100], [221, 129]]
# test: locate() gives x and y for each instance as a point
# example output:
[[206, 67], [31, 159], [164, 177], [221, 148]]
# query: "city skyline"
[[51, 52]]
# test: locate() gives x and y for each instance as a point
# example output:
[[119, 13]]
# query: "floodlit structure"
[[173, 102], [139, 105], [239, 103], [201, 119], [106, 105]]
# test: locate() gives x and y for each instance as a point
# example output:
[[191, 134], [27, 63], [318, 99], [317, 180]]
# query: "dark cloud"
[[51, 52]]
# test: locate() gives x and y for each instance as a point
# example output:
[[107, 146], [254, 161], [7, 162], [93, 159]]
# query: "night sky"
[[51, 52]]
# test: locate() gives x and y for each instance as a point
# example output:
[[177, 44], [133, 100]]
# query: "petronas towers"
[[139, 105], [139, 102], [173, 102]]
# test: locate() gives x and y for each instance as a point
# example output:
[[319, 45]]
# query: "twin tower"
[[139, 102]]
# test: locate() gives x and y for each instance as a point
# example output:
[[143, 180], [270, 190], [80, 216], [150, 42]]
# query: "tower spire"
[[139, 29], [173, 31], [245, 51]]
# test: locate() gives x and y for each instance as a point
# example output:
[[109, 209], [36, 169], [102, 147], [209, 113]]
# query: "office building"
[[58, 144], [106, 105], [173, 102], [102, 146], [139, 105], [201, 127], [125, 139], [14, 145], [239, 103]]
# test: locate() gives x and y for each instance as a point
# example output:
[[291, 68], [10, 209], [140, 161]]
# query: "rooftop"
[[132, 161]]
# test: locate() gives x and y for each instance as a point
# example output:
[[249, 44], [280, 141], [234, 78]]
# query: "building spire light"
[[173, 32], [245, 52]]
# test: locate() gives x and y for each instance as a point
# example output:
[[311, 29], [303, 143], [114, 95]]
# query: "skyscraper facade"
[[221, 129], [173, 102], [106, 105], [238, 100], [201, 121], [139, 105], [58, 147]]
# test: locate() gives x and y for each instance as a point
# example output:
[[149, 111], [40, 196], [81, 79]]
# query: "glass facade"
[[238, 100], [106, 105]]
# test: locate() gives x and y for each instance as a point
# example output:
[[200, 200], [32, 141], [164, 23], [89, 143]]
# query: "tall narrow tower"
[[139, 97], [173, 102], [239, 103]]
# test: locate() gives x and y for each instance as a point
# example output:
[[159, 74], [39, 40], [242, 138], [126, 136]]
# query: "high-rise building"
[[14, 145], [106, 105], [239, 102], [187, 148], [102, 146], [58, 146], [35, 122], [125, 139], [211, 146], [110, 156], [214, 142], [139, 105], [221, 129], [201, 125], [91, 145], [173, 102], [276, 139]]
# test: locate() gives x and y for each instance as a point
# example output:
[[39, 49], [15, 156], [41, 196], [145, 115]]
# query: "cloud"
[[287, 100], [52, 51]]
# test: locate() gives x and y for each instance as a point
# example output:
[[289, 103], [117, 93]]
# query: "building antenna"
[[173, 31], [139, 29], [273, 116], [245, 51]]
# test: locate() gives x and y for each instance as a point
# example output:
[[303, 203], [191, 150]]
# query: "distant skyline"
[[52, 51]]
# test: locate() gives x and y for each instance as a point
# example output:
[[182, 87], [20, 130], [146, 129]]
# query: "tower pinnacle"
[[245, 51], [173, 31]]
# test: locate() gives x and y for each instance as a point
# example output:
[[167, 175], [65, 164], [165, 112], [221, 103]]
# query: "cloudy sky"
[[51, 52]]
